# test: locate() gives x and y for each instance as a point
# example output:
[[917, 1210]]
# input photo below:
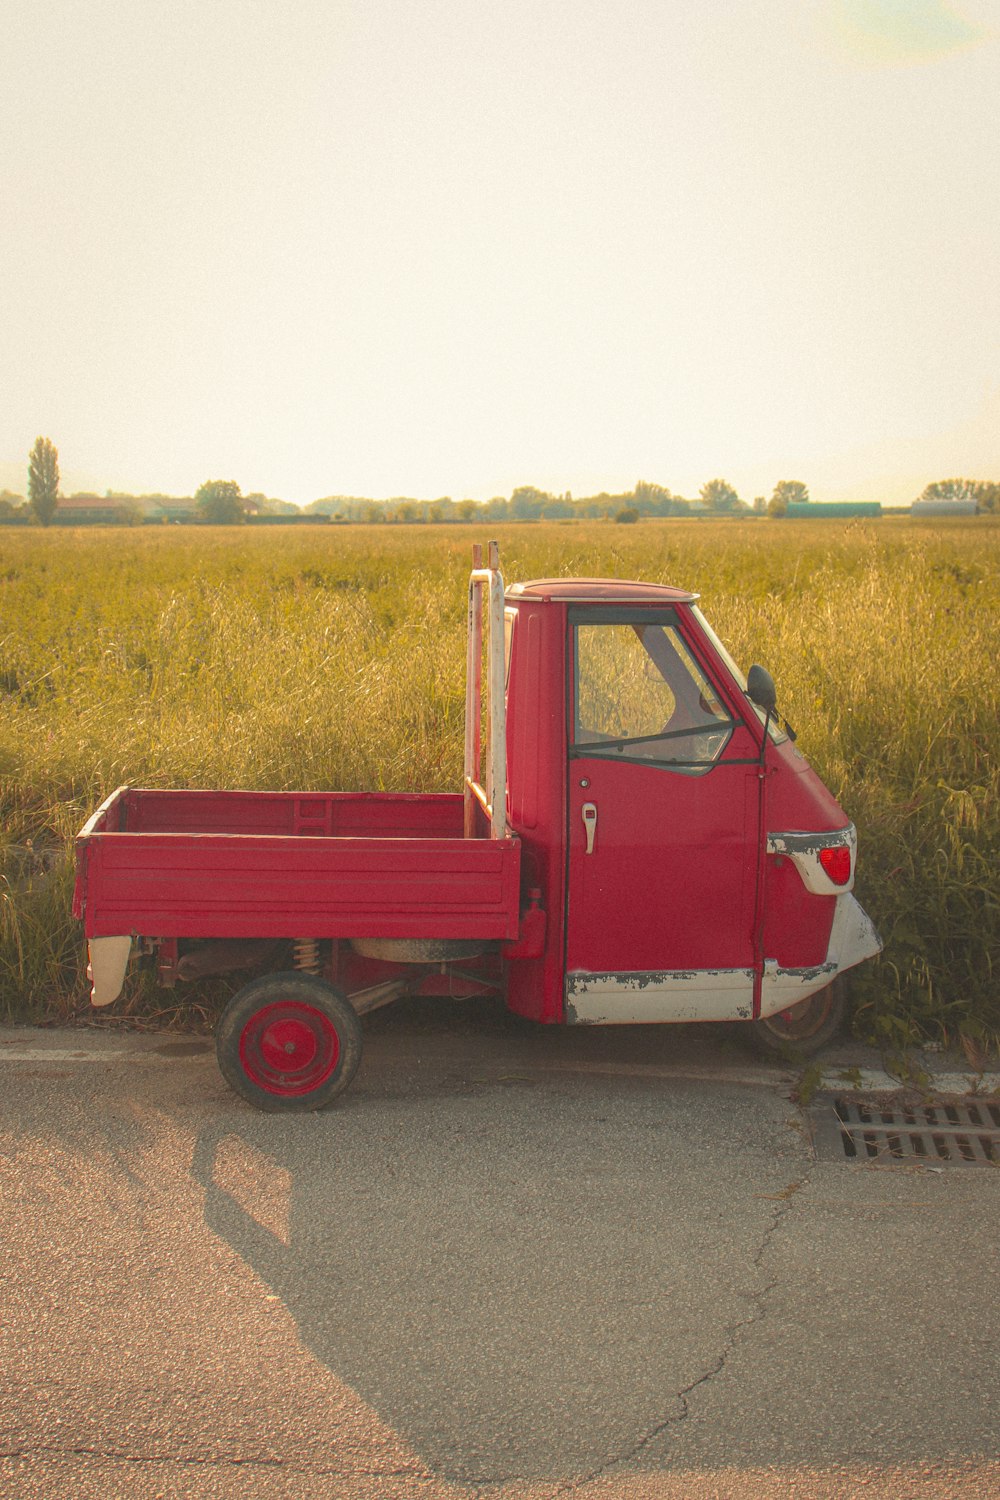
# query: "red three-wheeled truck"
[[638, 840]]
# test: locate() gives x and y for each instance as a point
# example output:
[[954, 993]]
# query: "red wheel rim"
[[289, 1048]]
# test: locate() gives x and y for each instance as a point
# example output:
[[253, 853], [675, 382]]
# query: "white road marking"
[[747, 1076], [64, 1055]]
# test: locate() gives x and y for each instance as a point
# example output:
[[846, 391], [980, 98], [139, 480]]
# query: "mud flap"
[[106, 970]]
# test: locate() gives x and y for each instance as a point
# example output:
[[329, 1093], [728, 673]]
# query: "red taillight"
[[836, 863]]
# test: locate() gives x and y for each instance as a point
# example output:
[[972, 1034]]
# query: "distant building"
[[944, 508], [91, 510], [170, 508], [834, 510]]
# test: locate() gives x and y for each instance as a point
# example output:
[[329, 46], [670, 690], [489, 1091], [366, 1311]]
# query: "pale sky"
[[449, 247]]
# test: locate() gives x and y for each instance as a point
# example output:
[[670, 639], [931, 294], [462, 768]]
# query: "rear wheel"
[[803, 1028], [288, 1042]]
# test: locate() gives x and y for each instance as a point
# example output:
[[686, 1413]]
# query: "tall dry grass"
[[334, 658]]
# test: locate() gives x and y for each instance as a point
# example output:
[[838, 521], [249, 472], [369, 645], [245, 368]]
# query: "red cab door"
[[663, 828]]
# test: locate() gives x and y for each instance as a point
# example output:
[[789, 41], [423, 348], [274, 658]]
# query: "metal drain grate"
[[965, 1134]]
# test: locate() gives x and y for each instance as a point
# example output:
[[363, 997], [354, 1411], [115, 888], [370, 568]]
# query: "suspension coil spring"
[[307, 955]]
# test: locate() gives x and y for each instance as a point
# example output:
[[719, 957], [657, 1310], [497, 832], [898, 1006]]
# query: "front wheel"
[[803, 1028], [288, 1042]]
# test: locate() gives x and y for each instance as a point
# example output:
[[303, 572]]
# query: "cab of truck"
[[692, 865]]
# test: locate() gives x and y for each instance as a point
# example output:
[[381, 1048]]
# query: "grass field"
[[334, 657]]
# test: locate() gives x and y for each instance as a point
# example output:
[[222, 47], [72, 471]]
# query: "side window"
[[640, 695]]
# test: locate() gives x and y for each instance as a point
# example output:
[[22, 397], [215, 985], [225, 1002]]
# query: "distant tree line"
[[222, 502], [525, 504], [716, 498], [217, 502]]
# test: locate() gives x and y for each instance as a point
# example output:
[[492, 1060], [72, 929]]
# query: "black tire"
[[803, 1029], [288, 1042]]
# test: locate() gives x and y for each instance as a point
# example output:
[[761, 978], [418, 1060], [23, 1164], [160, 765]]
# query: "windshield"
[[776, 733], [640, 695]]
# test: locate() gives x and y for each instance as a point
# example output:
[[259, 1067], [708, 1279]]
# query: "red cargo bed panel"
[[138, 872], [295, 814]]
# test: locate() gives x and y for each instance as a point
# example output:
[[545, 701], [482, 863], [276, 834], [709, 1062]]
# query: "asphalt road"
[[510, 1264]]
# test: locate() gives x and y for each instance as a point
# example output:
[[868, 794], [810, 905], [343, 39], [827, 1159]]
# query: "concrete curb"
[[875, 1081], [28, 1046]]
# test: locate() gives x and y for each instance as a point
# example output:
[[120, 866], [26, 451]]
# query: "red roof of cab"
[[600, 591]]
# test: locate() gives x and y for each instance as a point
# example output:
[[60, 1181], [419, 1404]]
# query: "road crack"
[[734, 1335], [218, 1461]]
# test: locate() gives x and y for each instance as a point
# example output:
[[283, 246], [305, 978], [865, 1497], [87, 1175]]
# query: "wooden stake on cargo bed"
[[493, 798]]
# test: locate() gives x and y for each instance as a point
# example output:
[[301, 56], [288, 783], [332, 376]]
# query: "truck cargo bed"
[[289, 864]]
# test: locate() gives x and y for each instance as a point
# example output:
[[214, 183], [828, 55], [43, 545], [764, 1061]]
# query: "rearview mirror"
[[761, 689]]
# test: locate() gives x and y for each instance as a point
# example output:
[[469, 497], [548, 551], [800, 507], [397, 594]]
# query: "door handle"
[[589, 814]]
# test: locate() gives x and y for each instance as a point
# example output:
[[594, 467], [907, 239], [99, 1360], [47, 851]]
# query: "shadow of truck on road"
[[520, 1280]]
